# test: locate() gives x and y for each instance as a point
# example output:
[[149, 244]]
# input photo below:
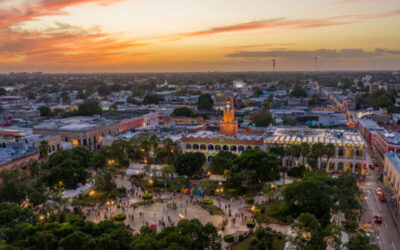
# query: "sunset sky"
[[198, 35]]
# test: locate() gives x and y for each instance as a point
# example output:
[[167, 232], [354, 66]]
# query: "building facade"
[[391, 176], [351, 153]]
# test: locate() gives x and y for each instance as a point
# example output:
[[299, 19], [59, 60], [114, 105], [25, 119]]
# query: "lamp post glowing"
[[41, 217]]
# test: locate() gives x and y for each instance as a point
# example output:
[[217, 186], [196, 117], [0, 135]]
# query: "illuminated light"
[[151, 181], [209, 173], [75, 142], [253, 208], [100, 138], [181, 215], [142, 149], [41, 217], [91, 193]]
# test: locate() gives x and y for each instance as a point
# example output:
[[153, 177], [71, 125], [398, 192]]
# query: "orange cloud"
[[250, 46], [64, 43], [296, 24], [13, 16]]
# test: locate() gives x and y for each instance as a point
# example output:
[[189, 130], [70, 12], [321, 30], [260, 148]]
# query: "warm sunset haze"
[[206, 35]]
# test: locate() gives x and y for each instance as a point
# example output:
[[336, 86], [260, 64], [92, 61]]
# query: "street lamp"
[[46, 247]]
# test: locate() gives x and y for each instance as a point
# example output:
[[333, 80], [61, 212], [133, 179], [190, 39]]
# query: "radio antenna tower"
[[316, 63], [273, 65]]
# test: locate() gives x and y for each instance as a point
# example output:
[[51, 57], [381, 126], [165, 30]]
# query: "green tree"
[[183, 112], [221, 162], [330, 151], [3, 91], [298, 92], [304, 151], [65, 98], [360, 241], [31, 96], [309, 233], [152, 99], [44, 149], [313, 194], [317, 151], [34, 168], [89, 108], [104, 179], [189, 163], [45, 111], [264, 165], [67, 168], [10, 188], [205, 102], [261, 119]]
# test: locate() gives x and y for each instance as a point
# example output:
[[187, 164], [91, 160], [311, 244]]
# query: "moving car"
[[378, 219], [382, 197], [379, 191]]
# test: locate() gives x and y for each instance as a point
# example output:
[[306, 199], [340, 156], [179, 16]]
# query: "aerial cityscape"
[[128, 124]]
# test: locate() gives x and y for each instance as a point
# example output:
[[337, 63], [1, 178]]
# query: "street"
[[389, 237]]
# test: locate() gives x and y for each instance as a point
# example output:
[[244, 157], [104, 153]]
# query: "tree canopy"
[[21, 229], [221, 162], [299, 92], [319, 194], [152, 99], [262, 118], [255, 165], [89, 108], [205, 102], [189, 163], [67, 168], [182, 111]]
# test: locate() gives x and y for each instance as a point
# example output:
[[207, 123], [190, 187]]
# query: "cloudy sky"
[[198, 35]]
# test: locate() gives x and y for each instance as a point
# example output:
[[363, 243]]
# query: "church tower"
[[228, 126]]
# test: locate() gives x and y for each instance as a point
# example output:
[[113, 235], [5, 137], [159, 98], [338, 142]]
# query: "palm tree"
[[296, 151], [171, 148], [44, 148], [330, 151], [154, 142], [317, 150], [279, 151], [304, 151], [34, 168]]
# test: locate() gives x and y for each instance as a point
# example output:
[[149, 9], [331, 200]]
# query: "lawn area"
[[246, 244]]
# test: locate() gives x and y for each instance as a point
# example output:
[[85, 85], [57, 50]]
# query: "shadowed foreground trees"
[[21, 229]]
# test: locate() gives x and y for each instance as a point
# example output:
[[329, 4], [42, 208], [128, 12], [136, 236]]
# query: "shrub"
[[251, 224], [120, 217], [253, 242], [231, 192], [147, 196], [229, 238], [241, 237], [121, 191], [208, 202], [249, 200]]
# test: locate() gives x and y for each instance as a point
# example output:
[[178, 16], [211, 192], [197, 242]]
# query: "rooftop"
[[394, 159], [297, 135], [77, 123]]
